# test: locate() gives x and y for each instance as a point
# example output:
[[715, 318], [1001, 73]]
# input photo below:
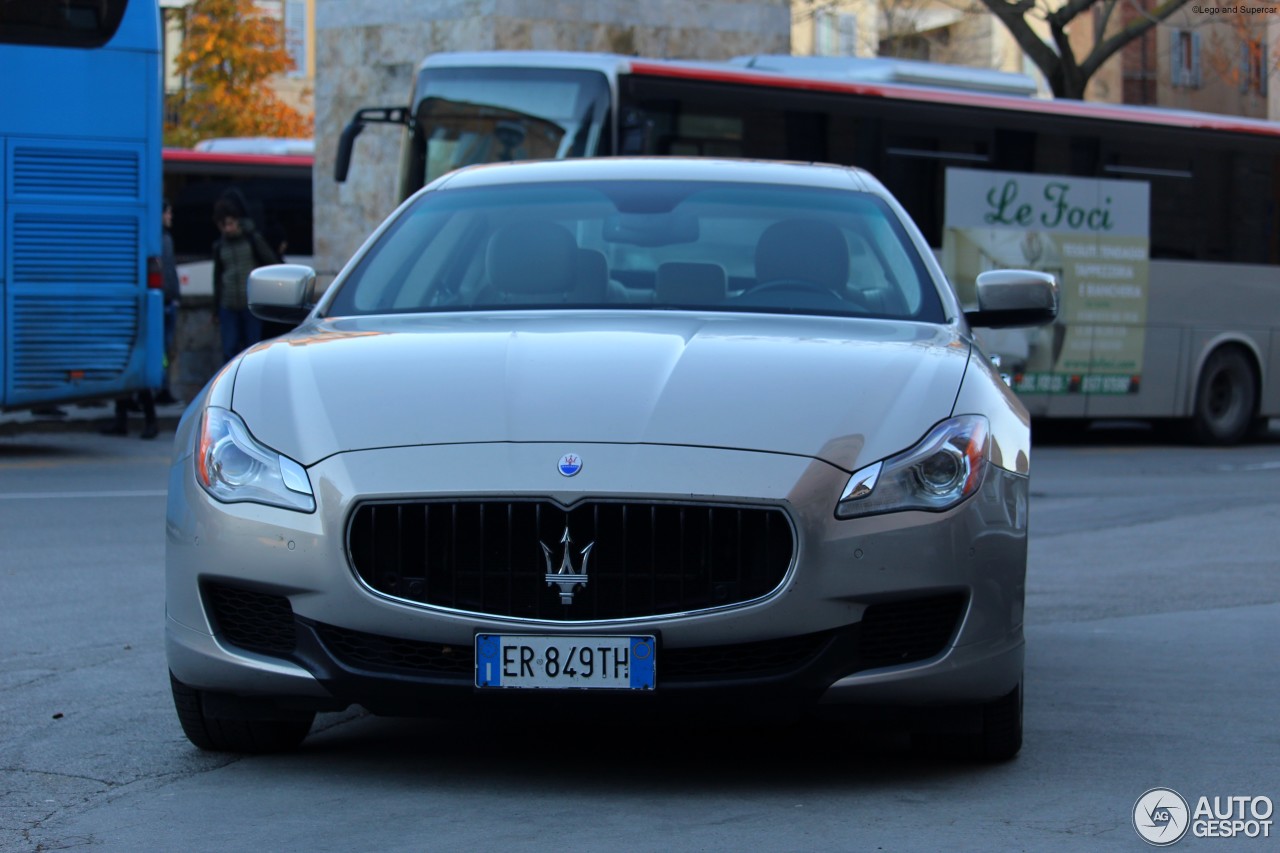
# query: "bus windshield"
[[490, 115]]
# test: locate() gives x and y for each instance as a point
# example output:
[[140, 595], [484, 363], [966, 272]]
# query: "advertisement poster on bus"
[[1093, 235]]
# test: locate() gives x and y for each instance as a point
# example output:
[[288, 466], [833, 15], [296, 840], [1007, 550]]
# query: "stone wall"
[[198, 347], [367, 50]]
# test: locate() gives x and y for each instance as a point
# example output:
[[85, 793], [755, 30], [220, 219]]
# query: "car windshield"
[[644, 245]]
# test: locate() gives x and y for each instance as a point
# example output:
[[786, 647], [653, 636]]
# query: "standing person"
[[236, 253], [172, 297], [120, 423]]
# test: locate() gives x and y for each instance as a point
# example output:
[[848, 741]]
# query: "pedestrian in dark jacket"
[[172, 298], [239, 250]]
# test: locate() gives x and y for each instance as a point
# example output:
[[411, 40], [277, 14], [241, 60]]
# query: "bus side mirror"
[[367, 115], [1014, 298], [279, 293]]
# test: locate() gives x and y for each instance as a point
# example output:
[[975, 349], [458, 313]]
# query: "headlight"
[[946, 467], [234, 466]]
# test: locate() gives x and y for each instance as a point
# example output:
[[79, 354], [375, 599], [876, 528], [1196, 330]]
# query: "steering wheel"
[[799, 284], [804, 285]]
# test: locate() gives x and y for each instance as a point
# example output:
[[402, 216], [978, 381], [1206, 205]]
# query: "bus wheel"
[[1226, 398]]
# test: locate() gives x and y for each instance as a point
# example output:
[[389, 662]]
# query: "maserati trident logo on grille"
[[565, 577], [569, 464]]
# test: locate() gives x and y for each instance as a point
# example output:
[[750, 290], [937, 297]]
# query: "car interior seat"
[[531, 263], [808, 250], [684, 283]]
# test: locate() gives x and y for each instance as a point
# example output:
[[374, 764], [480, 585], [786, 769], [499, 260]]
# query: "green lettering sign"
[[1061, 211]]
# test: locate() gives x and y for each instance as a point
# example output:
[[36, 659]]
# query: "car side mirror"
[[280, 293], [1014, 298]]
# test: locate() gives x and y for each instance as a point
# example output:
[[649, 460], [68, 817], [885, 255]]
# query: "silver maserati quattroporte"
[[613, 436]]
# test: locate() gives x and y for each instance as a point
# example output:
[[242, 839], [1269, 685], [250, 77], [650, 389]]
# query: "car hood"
[[846, 391]]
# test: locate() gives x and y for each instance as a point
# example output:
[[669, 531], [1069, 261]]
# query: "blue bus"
[[81, 302]]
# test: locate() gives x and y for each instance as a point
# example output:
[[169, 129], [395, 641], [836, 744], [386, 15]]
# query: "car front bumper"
[[817, 640]]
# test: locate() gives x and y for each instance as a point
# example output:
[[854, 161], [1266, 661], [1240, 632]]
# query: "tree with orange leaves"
[[229, 50]]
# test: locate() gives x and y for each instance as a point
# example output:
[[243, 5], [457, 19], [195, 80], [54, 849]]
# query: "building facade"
[[1218, 63], [926, 30]]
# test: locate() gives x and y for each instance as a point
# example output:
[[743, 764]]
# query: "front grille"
[[905, 631], [743, 659], [645, 559], [254, 621], [358, 650]]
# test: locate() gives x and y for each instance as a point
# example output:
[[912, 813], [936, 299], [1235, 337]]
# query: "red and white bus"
[[1163, 226], [273, 176]]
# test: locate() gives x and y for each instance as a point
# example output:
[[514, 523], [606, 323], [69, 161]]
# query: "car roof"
[[661, 169]]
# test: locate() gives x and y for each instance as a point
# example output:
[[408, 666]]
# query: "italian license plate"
[[565, 663]]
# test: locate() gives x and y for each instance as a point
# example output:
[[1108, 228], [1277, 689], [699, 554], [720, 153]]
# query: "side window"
[[1184, 59], [694, 135], [1182, 226], [1254, 66], [704, 119], [1248, 191], [915, 162], [834, 33], [60, 23]]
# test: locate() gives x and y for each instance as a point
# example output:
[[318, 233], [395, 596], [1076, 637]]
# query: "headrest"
[[592, 275], [806, 249], [532, 257], [684, 283]]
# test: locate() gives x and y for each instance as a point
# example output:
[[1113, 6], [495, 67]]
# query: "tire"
[[1001, 735], [1226, 398], [244, 730], [998, 737]]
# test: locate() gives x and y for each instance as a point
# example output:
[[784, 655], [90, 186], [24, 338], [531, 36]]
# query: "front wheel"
[[231, 724], [1001, 735], [996, 735], [1226, 398]]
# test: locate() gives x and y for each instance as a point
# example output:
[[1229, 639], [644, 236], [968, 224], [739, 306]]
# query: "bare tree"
[[1055, 55]]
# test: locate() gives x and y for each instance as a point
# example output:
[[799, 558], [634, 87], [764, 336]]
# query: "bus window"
[[916, 158], [686, 134], [1178, 226], [60, 23], [707, 119]]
